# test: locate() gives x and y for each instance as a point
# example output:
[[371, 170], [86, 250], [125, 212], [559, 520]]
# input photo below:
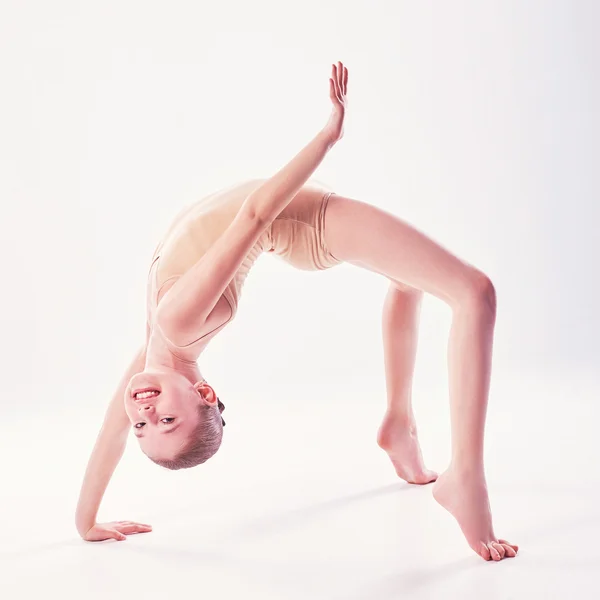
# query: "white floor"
[[300, 503]]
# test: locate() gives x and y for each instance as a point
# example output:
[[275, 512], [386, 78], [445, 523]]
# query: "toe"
[[431, 476], [484, 552], [500, 549], [493, 552], [510, 553], [425, 477], [513, 546]]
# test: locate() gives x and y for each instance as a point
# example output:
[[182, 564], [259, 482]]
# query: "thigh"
[[375, 239]]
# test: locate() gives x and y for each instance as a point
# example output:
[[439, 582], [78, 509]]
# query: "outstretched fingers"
[[335, 85], [332, 92], [338, 82], [129, 527]]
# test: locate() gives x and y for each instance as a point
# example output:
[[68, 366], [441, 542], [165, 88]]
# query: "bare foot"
[[397, 435], [466, 498]]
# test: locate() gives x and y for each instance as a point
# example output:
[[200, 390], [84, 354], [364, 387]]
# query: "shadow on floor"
[[298, 516]]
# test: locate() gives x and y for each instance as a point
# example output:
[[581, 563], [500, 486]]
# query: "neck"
[[159, 356]]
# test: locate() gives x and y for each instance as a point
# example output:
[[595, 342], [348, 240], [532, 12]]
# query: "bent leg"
[[372, 238]]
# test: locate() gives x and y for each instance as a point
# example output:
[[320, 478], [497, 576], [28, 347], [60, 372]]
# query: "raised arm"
[[276, 193], [108, 450], [185, 307]]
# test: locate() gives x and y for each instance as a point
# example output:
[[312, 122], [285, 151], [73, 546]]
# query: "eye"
[[165, 420]]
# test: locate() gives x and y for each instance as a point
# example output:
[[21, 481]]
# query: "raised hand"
[[338, 86], [115, 530]]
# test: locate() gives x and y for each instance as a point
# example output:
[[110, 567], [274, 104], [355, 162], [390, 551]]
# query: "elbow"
[[253, 209], [260, 220]]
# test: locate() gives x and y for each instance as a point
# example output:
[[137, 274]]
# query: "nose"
[[145, 407]]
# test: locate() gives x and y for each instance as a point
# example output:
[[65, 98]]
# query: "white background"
[[477, 121]]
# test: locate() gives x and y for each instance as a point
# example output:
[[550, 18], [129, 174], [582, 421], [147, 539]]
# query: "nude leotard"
[[296, 236]]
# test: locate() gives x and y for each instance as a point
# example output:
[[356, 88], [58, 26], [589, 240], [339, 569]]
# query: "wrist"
[[84, 525], [82, 531], [327, 137]]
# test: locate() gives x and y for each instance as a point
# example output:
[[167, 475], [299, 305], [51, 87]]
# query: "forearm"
[[108, 450], [106, 455], [267, 201]]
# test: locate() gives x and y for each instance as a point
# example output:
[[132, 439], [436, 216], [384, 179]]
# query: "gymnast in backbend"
[[195, 280]]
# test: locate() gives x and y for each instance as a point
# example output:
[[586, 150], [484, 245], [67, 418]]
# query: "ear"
[[206, 392]]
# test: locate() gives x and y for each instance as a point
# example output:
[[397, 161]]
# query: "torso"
[[188, 237]]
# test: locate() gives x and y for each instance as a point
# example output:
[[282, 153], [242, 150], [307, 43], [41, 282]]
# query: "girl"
[[194, 284]]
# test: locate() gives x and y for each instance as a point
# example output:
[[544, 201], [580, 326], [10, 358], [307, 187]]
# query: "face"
[[164, 419]]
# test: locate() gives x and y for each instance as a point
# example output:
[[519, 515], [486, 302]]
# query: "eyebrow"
[[162, 431]]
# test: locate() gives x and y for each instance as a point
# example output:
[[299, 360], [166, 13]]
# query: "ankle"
[[401, 418], [467, 469]]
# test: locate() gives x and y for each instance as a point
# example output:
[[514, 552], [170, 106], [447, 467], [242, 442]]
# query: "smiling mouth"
[[145, 394]]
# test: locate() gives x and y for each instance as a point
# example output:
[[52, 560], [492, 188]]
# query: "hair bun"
[[221, 408]]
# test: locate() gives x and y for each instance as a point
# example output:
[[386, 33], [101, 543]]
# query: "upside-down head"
[[178, 423]]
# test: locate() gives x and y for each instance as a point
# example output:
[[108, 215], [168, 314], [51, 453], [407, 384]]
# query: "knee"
[[479, 292]]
